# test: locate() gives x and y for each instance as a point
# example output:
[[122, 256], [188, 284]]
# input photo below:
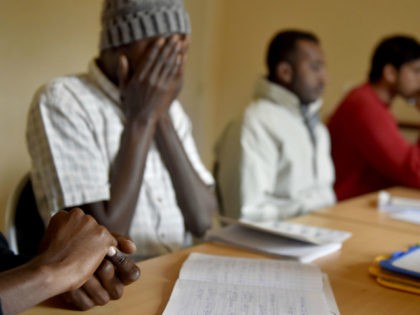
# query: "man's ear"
[[284, 72], [390, 73]]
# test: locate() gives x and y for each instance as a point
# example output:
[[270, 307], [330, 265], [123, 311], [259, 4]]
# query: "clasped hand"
[[79, 249]]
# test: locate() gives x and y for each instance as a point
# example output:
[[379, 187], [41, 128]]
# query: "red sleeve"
[[380, 143]]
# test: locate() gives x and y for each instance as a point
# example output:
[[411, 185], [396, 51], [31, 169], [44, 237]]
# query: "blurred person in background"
[[275, 163], [368, 150]]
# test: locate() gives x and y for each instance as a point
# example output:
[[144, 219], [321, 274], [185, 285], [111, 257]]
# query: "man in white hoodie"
[[275, 161]]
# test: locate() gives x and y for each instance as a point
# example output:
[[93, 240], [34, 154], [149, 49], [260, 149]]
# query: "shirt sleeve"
[[68, 166], [183, 127], [378, 140], [259, 156]]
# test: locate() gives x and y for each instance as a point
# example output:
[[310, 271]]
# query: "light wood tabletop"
[[355, 291], [364, 209]]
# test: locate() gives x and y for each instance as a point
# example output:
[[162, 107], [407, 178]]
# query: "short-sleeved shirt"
[[73, 135]]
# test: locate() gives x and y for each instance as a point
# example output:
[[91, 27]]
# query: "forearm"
[[28, 285], [126, 178], [196, 200]]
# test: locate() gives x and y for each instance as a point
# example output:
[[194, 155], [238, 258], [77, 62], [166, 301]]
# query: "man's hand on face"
[[156, 78]]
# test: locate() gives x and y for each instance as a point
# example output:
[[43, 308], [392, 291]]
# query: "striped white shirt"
[[73, 135]]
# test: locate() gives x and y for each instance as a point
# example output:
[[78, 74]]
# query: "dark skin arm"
[[74, 247], [144, 91], [196, 200]]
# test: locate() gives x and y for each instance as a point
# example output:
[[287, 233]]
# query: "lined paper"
[[219, 285], [245, 271]]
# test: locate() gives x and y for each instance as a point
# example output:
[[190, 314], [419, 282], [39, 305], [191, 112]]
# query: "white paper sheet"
[[218, 285], [302, 232], [209, 298], [269, 243], [245, 271], [404, 209]]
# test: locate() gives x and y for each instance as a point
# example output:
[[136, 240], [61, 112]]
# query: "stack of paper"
[[405, 209], [289, 240], [209, 284]]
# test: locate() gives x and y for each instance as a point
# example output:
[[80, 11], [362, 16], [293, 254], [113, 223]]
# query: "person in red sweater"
[[368, 150]]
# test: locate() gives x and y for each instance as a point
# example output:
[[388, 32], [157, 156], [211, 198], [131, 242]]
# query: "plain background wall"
[[41, 39]]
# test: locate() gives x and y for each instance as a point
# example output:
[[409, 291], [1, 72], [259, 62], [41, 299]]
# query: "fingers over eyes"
[[151, 55], [165, 62]]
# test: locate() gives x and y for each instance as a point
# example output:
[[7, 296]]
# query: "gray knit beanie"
[[126, 21]]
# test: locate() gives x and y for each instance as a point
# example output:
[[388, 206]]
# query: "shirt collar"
[[96, 74], [282, 96]]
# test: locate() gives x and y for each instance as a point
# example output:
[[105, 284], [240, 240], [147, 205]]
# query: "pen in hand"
[[126, 269]]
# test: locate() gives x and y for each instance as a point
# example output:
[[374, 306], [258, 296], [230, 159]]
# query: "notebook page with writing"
[[246, 271], [329, 296], [196, 297], [210, 284]]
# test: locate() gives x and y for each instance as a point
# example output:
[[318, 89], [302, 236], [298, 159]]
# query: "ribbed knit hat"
[[126, 21]]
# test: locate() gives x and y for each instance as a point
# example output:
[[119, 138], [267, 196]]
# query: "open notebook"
[[283, 239], [210, 284], [301, 232]]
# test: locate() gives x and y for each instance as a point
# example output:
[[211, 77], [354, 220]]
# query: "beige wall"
[[200, 88], [40, 39]]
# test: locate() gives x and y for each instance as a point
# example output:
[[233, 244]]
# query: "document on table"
[[404, 209], [268, 243], [210, 284], [301, 232]]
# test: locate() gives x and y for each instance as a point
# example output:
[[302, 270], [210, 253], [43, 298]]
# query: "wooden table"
[[355, 291], [364, 210]]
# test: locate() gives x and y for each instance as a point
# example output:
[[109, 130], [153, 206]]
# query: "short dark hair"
[[394, 50], [282, 48]]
